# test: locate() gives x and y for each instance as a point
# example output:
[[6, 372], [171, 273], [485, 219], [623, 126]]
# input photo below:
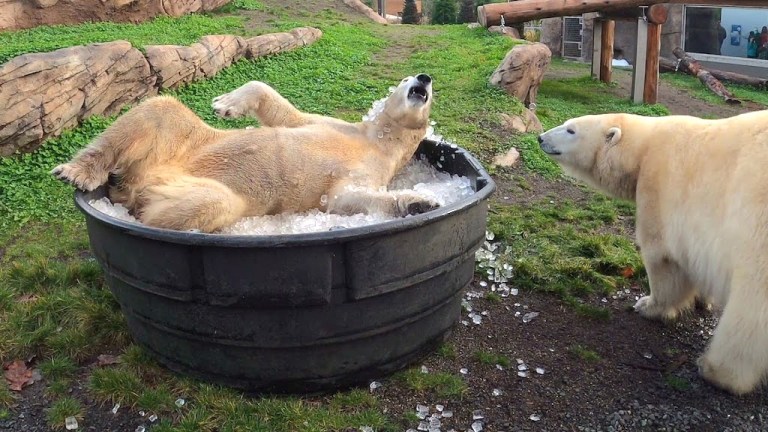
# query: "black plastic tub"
[[301, 312]]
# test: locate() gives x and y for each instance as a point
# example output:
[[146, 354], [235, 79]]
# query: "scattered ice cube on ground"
[[70, 423], [374, 385], [535, 417], [153, 418], [530, 316], [423, 426], [540, 371], [464, 371], [366, 429], [447, 413], [496, 392], [115, 408], [477, 415], [522, 374], [499, 367], [140, 428], [424, 369], [439, 407], [648, 355], [180, 402], [477, 426]]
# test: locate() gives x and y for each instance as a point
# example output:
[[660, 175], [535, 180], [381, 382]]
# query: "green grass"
[[61, 409], [561, 247], [585, 354], [6, 397], [447, 351], [440, 384], [158, 31], [492, 359], [678, 383]]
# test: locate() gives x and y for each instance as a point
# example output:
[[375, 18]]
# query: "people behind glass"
[[757, 44]]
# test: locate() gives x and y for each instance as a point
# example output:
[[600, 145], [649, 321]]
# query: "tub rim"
[[81, 199]]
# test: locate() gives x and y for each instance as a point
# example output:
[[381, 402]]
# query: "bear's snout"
[[541, 140]]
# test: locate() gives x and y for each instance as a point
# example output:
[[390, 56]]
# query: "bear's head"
[[590, 148], [409, 105], [576, 143]]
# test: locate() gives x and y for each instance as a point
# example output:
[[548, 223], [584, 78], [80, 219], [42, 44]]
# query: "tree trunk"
[[527, 10], [704, 76], [669, 65]]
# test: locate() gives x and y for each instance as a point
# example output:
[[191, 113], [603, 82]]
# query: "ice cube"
[[180, 402], [540, 371], [477, 426], [535, 417], [477, 415], [424, 369], [422, 408], [366, 429], [496, 392], [70, 423], [153, 418], [447, 413], [115, 408], [464, 371], [423, 426], [439, 407], [140, 428], [530, 316], [374, 385]]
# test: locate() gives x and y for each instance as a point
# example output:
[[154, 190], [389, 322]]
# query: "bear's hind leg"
[[671, 290], [190, 203], [737, 357]]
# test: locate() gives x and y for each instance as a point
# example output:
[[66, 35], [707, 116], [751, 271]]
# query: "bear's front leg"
[[671, 288], [259, 100], [351, 199]]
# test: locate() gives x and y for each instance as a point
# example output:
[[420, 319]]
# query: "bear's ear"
[[614, 136]]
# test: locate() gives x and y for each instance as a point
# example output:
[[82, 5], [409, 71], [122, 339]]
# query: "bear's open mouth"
[[418, 93]]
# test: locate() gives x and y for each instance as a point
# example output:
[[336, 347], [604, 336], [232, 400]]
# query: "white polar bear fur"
[[701, 190]]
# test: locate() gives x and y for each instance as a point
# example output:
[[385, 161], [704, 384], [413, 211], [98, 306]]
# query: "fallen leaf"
[[108, 359], [27, 298], [628, 272], [18, 375]]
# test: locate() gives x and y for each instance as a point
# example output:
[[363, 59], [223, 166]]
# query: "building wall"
[[624, 39], [395, 7]]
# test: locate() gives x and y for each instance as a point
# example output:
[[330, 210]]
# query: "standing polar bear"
[[174, 171], [701, 189]]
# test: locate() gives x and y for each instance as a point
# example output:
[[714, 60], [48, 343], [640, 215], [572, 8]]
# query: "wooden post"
[[651, 90], [639, 70], [597, 36], [606, 50]]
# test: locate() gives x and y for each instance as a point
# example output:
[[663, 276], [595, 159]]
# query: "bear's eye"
[[571, 131]]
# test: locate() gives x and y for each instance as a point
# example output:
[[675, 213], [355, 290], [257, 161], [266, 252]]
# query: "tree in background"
[[467, 11], [410, 13], [445, 12]]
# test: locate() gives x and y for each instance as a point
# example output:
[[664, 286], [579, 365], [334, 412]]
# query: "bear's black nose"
[[424, 78], [541, 140]]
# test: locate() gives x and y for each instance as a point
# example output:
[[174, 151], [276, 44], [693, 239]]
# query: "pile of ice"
[[418, 175]]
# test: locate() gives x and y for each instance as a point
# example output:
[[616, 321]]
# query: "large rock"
[[175, 65], [19, 14], [522, 71], [42, 94], [521, 123], [272, 43]]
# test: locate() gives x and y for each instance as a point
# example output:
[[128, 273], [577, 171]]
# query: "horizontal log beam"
[[527, 10]]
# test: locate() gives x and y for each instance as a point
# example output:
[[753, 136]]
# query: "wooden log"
[[658, 14], [606, 51], [527, 10], [669, 65], [651, 87], [704, 76]]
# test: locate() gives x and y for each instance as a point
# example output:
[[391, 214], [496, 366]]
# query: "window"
[[726, 31]]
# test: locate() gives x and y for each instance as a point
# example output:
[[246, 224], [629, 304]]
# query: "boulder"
[[521, 72], [21, 14], [279, 42], [175, 65], [42, 94], [507, 159], [521, 123]]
